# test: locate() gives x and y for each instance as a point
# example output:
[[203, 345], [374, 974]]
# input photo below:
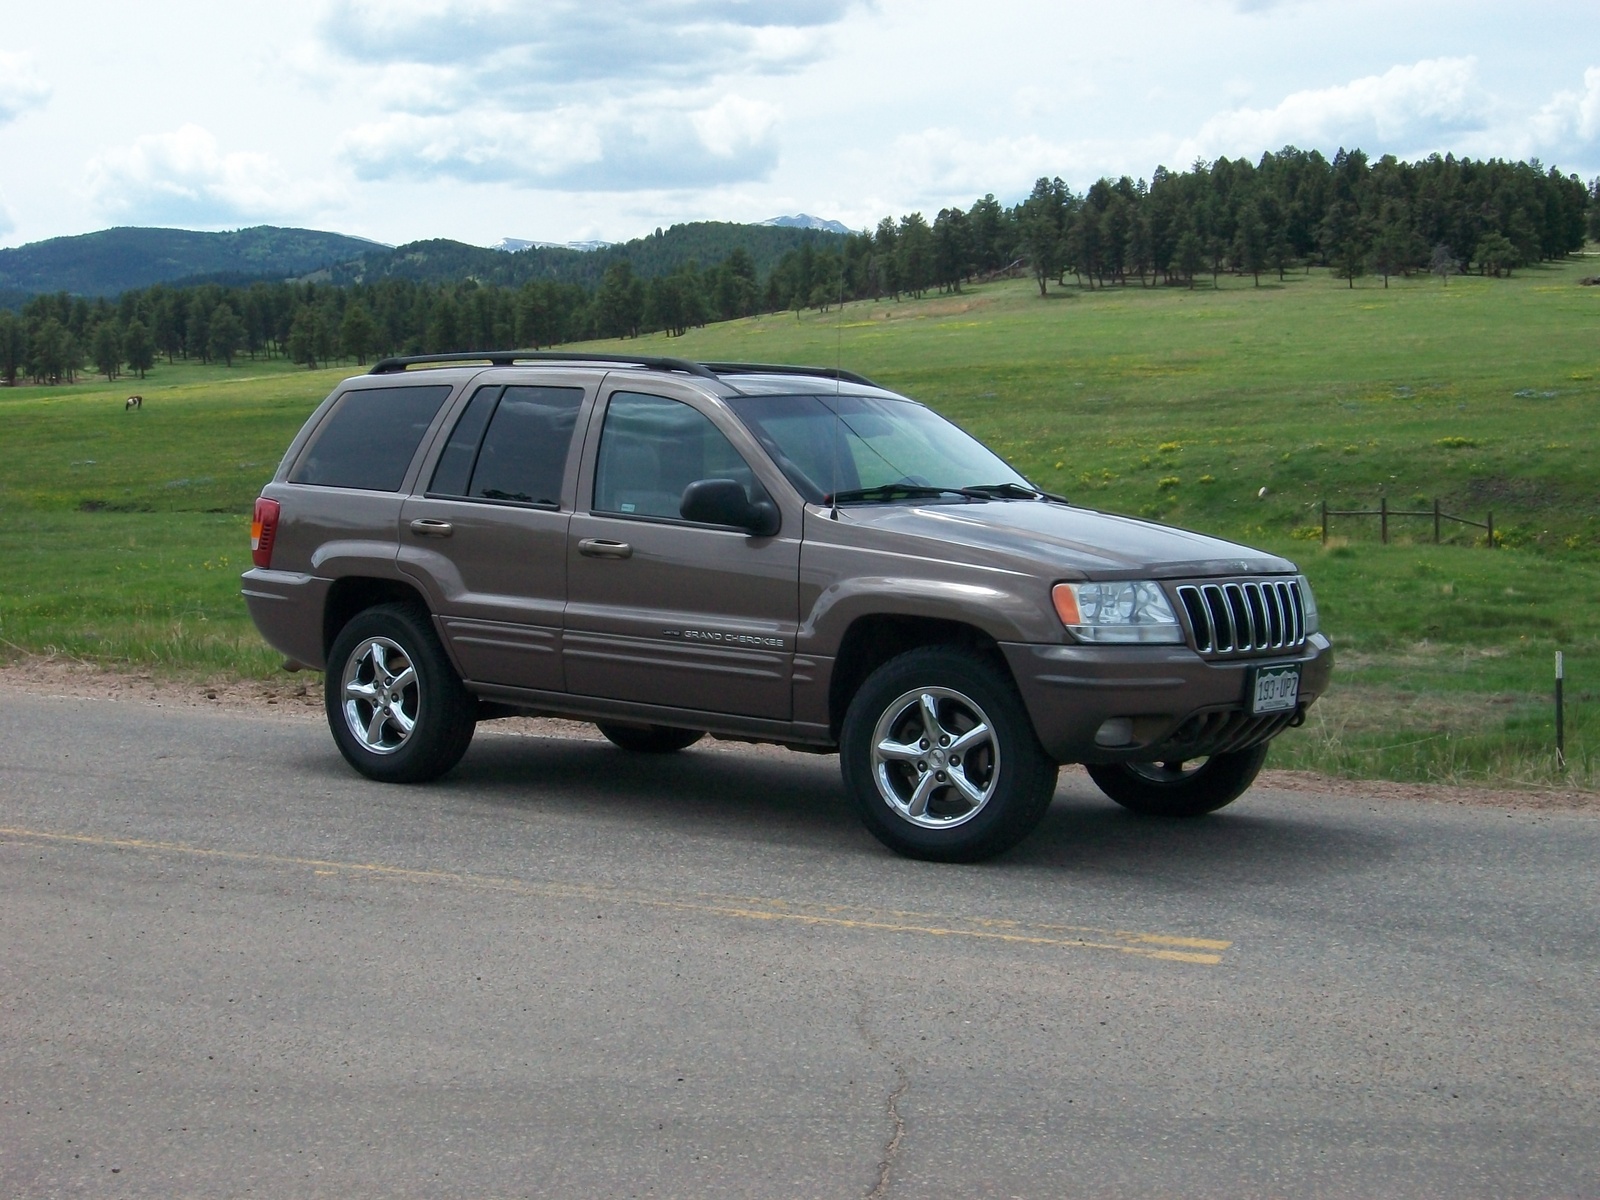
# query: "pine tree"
[[106, 345], [138, 347], [225, 334], [13, 347], [357, 332], [1039, 230]]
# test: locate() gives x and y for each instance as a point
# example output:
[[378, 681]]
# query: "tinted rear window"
[[522, 456], [368, 440]]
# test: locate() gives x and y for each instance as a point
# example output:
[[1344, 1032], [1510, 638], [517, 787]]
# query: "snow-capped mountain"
[[512, 245], [806, 221]]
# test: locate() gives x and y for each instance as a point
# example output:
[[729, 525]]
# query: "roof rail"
[[741, 368], [510, 358]]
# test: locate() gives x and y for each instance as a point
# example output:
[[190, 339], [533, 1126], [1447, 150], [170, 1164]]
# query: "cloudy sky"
[[574, 119]]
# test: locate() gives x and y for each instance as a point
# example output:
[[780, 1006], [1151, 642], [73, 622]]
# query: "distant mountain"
[[806, 221], [513, 245], [440, 260], [116, 260]]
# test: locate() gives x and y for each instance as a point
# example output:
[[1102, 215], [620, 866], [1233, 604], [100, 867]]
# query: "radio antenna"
[[838, 375]]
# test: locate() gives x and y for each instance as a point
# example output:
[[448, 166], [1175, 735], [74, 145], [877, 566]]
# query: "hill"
[[112, 261], [1235, 410], [440, 260]]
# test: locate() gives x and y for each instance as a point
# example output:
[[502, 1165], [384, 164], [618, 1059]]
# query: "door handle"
[[604, 548], [428, 527]]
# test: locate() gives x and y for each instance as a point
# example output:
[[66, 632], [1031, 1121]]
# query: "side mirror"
[[724, 502]]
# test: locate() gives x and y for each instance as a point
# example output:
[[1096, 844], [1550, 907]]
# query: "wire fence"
[[1383, 512]]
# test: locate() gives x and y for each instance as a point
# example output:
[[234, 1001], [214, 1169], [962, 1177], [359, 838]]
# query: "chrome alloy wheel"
[[935, 758], [381, 697]]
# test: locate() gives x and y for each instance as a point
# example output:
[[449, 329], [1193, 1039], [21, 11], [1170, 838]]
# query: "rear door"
[[661, 610], [488, 538]]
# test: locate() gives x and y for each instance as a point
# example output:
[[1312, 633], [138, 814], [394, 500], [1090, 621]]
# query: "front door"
[[489, 538], [664, 611]]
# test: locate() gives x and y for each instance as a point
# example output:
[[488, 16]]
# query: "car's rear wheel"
[[1180, 788], [940, 758], [649, 739], [397, 709]]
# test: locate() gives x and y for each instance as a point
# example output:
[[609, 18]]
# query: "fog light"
[[1118, 731]]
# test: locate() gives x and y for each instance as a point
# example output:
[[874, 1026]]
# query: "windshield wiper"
[[922, 491], [1010, 491], [896, 491]]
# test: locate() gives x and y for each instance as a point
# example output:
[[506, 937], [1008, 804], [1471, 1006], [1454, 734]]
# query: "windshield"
[[837, 445]]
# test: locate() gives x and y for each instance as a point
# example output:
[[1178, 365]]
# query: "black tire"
[[649, 739], [417, 728], [972, 805], [1175, 789]]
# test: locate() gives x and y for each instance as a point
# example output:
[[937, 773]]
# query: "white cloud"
[[183, 178], [605, 148], [21, 86], [1571, 120], [591, 95], [1406, 110], [511, 50], [7, 221], [734, 126], [943, 163]]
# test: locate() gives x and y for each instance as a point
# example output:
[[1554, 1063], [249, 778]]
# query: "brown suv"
[[776, 554]]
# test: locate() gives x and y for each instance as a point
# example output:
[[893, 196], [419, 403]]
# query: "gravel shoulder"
[[298, 697]]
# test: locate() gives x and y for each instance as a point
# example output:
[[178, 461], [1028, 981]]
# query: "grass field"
[[122, 534]]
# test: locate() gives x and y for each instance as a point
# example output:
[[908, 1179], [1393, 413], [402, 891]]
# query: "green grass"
[[121, 534]]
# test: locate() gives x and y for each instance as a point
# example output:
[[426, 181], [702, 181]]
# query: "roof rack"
[[510, 358], [742, 368], [712, 370]]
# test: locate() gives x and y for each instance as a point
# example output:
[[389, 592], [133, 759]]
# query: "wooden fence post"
[[1436, 520], [1324, 522], [1383, 518], [1491, 531]]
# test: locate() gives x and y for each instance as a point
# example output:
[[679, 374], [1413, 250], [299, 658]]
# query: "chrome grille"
[[1249, 617]]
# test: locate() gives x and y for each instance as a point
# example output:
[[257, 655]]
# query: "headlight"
[[1310, 602], [1125, 611]]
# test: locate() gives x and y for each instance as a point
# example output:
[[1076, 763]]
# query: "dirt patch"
[[1485, 796], [289, 696], [1502, 490], [299, 697]]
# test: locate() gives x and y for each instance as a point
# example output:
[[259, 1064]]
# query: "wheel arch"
[[873, 639], [355, 594]]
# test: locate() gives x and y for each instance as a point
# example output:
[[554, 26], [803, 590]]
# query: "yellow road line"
[[1204, 951]]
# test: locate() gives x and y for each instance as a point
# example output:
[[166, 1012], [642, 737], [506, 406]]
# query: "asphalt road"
[[231, 967]]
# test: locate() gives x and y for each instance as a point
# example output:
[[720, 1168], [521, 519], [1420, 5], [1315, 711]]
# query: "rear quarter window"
[[369, 438]]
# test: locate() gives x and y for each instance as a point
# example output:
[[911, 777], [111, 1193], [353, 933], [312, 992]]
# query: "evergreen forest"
[[1291, 210]]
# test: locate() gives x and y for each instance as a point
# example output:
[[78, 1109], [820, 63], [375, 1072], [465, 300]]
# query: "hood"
[[1069, 540]]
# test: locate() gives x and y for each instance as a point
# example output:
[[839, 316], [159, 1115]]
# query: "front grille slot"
[[1221, 732], [1246, 617]]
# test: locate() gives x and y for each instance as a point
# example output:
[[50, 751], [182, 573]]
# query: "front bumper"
[[1179, 704]]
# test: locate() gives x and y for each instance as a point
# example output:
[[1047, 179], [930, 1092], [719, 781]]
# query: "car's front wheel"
[[397, 709], [941, 759], [1180, 788]]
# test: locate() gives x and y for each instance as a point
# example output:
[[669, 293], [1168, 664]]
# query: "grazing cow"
[[132, 402]]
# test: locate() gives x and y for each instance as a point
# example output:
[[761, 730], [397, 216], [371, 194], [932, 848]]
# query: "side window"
[[369, 438], [652, 448], [510, 444]]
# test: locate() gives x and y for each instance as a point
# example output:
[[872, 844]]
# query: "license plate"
[[1275, 689]]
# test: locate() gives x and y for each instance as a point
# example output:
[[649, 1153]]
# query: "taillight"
[[263, 530]]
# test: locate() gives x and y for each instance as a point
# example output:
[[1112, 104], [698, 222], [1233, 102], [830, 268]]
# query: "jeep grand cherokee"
[[771, 553]]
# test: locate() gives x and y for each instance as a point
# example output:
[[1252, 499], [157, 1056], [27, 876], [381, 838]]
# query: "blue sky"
[[573, 119]]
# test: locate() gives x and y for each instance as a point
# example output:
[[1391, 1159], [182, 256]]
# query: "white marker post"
[[1561, 733]]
